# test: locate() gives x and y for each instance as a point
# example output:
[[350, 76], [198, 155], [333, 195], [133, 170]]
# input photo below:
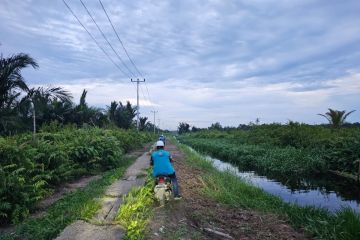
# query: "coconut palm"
[[335, 117]]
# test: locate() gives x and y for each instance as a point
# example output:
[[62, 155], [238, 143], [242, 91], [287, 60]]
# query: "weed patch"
[[136, 209]]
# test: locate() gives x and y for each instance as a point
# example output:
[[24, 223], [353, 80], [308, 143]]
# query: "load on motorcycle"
[[164, 173]]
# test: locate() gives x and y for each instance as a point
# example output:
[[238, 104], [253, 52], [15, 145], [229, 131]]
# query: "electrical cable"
[[117, 35], [122, 44], [103, 35], [93, 38]]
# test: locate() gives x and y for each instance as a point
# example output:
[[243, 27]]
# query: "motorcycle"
[[163, 189]]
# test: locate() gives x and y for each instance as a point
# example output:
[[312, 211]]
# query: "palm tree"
[[335, 117], [12, 84], [121, 115], [112, 110], [11, 78], [84, 115], [52, 103], [142, 124]]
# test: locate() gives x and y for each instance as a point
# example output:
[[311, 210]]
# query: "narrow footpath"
[[101, 227]]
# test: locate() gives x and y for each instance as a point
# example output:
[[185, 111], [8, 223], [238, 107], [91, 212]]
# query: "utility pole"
[[159, 124], [34, 118], [154, 119], [137, 101]]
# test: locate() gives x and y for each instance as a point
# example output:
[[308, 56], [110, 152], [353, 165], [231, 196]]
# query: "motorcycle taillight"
[[161, 180]]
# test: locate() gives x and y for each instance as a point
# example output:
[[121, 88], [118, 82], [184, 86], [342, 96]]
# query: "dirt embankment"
[[196, 217]]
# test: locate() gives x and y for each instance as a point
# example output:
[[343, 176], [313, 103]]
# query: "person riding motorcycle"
[[162, 138], [161, 162]]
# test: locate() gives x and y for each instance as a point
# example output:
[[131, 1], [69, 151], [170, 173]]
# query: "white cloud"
[[201, 105], [204, 61]]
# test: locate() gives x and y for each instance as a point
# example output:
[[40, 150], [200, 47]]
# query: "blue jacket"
[[161, 160], [162, 138]]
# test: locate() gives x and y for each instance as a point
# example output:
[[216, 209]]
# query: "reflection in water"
[[329, 193]]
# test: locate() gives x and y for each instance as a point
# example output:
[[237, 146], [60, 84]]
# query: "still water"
[[329, 192]]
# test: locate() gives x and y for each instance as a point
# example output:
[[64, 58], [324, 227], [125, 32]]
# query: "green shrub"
[[31, 169], [293, 148]]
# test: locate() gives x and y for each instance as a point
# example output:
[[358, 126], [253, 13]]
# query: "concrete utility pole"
[[159, 124], [137, 101], [34, 117], [154, 119]]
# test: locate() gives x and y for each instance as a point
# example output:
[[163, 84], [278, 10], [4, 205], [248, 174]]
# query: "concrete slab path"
[[101, 227]]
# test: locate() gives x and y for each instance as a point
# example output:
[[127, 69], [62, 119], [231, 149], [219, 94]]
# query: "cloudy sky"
[[203, 61]]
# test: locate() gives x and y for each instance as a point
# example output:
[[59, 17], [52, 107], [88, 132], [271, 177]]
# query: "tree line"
[[19, 103], [336, 119]]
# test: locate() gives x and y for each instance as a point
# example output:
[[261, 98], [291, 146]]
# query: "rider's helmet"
[[159, 144]]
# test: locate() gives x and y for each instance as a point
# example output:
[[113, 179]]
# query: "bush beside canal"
[[228, 189], [283, 149]]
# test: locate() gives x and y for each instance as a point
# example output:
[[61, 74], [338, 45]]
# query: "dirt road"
[[196, 217]]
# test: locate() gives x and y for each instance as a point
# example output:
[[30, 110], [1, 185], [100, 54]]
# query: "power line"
[[93, 38], [127, 54], [117, 35], [102, 33]]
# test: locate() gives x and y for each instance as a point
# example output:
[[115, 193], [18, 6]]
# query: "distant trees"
[[142, 123], [183, 128], [195, 129], [121, 115], [83, 115], [335, 117], [51, 104], [216, 126]]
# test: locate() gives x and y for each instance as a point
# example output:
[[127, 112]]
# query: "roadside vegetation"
[[30, 170], [77, 205], [294, 148], [230, 190], [136, 209]]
